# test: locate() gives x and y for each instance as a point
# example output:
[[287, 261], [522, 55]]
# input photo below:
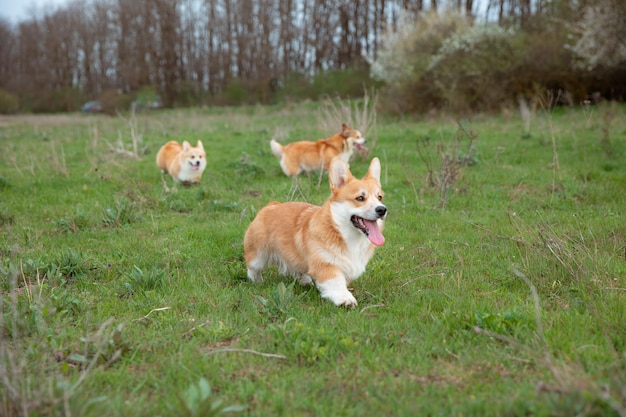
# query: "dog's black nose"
[[381, 211]]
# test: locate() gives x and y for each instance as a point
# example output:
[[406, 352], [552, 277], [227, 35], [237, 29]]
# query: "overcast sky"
[[16, 10]]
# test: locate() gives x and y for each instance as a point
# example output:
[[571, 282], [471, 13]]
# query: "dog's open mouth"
[[195, 166], [360, 147], [369, 228]]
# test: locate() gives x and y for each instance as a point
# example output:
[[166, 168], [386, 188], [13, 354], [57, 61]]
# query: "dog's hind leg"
[[164, 182], [255, 266]]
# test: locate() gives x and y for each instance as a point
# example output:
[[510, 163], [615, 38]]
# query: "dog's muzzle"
[[381, 211]]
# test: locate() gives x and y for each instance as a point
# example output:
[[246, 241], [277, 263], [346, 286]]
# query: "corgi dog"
[[307, 156], [328, 245], [184, 163]]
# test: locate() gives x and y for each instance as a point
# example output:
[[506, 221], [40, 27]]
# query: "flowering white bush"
[[405, 49], [479, 41], [602, 34]]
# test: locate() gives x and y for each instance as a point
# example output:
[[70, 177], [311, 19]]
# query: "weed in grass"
[[73, 224], [139, 280], [69, 264], [4, 182], [64, 302], [510, 322], [197, 401], [122, 214], [279, 302], [104, 347], [6, 217], [446, 165]]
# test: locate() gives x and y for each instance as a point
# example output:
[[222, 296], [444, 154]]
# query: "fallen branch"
[[152, 311], [372, 306], [235, 350]]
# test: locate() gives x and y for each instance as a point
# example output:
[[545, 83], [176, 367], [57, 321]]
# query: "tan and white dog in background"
[[307, 156], [185, 163], [328, 245]]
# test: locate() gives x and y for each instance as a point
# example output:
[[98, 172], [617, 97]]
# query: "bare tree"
[[7, 54]]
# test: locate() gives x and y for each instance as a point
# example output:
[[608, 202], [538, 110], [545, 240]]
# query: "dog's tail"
[[277, 148]]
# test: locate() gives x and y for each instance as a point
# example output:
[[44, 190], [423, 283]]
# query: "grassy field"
[[500, 290]]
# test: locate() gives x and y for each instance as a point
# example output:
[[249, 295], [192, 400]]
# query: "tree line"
[[192, 51]]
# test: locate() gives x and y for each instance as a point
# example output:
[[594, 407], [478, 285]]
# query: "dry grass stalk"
[[360, 115], [444, 173], [58, 160], [136, 139]]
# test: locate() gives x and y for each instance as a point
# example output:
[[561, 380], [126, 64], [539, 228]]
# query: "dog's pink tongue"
[[374, 235]]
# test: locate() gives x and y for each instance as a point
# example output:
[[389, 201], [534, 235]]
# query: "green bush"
[[9, 103], [113, 102], [188, 93], [342, 83], [53, 101], [296, 86]]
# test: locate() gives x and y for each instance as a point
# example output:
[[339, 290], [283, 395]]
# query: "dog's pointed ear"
[[199, 145], [338, 173], [374, 170], [186, 146], [345, 130]]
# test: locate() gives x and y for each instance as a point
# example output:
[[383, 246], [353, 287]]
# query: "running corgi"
[[183, 162], [306, 156], [328, 245]]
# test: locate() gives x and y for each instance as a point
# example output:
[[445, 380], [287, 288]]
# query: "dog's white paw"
[[255, 275], [337, 291], [305, 279], [345, 300]]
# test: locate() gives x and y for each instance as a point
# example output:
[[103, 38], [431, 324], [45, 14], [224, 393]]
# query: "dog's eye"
[[360, 198], [380, 198]]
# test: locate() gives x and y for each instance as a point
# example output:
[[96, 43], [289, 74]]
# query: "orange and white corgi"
[[306, 156], [184, 163], [328, 245]]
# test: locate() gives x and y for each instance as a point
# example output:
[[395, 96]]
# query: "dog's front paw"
[[346, 300], [336, 291]]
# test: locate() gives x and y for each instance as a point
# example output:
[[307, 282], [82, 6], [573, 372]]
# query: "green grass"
[[120, 298]]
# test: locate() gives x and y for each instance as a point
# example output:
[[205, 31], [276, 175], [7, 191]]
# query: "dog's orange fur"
[[185, 163], [307, 156], [330, 245]]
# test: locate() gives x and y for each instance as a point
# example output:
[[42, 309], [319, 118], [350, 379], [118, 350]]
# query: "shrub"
[[472, 69], [445, 61], [9, 103], [113, 102], [403, 60], [296, 86], [343, 83], [53, 101]]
